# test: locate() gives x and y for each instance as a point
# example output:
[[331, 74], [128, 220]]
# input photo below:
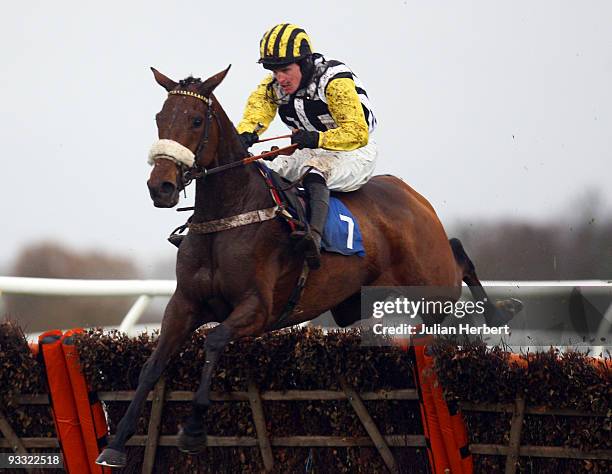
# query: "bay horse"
[[243, 277]]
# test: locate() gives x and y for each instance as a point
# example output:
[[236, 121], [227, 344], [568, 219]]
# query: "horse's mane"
[[188, 81]]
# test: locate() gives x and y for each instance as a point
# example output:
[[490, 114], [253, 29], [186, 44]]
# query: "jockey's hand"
[[248, 139], [305, 139], [271, 158]]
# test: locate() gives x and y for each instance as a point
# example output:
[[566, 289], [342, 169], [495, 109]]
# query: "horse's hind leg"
[[348, 312], [495, 314], [178, 323]]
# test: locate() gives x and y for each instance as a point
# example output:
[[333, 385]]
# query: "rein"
[[196, 171], [203, 172], [191, 170]]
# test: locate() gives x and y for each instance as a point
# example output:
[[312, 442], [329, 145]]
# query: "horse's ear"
[[163, 81], [212, 82]]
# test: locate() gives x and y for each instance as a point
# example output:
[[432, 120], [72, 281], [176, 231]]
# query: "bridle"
[[196, 171], [188, 174]]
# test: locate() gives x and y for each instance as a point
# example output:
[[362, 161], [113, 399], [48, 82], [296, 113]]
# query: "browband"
[[192, 94]]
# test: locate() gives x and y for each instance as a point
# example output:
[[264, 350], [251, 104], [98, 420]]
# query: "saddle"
[[288, 197], [341, 234]]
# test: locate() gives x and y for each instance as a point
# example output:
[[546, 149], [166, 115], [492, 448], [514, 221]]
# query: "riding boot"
[[309, 241], [176, 239]]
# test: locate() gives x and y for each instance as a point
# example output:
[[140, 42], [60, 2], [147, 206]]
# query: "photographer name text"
[[438, 330]]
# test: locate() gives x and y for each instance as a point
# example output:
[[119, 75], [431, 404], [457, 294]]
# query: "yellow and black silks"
[[334, 102]]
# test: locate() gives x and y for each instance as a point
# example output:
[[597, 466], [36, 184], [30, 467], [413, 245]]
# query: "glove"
[[248, 139], [305, 139], [271, 158]]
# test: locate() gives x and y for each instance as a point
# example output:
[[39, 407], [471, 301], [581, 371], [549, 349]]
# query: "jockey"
[[328, 110]]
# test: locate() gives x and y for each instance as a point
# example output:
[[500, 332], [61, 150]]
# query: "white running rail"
[[146, 290]]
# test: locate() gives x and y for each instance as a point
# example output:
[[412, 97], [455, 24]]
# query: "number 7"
[[351, 226]]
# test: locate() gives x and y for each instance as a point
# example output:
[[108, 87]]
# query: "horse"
[[242, 277]]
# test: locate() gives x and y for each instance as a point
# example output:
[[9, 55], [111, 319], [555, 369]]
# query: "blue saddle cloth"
[[341, 233]]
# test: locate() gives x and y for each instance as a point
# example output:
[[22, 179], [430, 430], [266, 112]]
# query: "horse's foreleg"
[[245, 320], [178, 323]]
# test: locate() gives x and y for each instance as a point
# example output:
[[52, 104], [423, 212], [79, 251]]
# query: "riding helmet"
[[284, 44]]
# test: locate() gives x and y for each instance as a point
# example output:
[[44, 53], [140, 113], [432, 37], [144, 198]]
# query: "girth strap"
[[295, 297], [251, 217]]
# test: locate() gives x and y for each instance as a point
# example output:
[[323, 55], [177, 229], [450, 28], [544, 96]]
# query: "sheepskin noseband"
[[171, 150]]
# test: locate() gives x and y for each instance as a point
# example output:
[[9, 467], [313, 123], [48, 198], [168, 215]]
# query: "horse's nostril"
[[167, 188]]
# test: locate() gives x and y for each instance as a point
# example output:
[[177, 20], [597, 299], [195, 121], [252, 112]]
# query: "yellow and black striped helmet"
[[283, 44]]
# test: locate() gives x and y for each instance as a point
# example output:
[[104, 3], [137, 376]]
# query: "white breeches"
[[343, 170]]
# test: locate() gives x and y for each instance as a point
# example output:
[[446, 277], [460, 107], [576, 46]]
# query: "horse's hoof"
[[191, 444], [112, 458], [510, 307], [505, 310]]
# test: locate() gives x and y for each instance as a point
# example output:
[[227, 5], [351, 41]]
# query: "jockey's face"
[[289, 77]]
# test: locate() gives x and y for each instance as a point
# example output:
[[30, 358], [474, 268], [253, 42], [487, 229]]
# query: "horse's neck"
[[229, 193], [233, 191]]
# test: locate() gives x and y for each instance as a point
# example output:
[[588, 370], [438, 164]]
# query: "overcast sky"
[[490, 109]]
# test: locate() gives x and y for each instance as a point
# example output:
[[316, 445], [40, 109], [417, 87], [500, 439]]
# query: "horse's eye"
[[197, 122]]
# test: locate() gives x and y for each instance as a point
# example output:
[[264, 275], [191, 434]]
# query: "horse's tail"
[[495, 314]]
